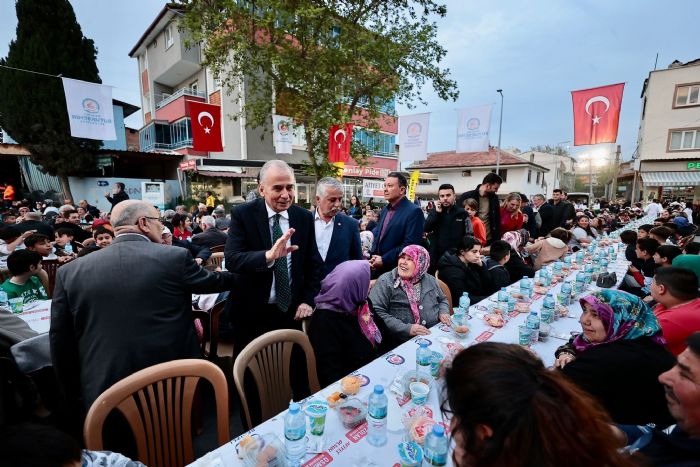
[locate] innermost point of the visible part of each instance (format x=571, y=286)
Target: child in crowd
x=664, y=255
x=25, y=267
x=42, y=245
x=103, y=238
x=550, y=249
x=629, y=238
x=641, y=276
x=495, y=264
x=643, y=230
x=661, y=234
x=692, y=248
x=64, y=243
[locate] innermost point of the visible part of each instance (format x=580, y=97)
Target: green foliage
x=321, y=62
x=33, y=107
x=558, y=150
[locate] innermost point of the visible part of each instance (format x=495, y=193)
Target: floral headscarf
x=517, y=240
x=345, y=290
x=624, y=316
x=411, y=286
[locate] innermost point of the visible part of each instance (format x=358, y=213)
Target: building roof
x=674, y=65
x=128, y=108
x=451, y=159
x=174, y=7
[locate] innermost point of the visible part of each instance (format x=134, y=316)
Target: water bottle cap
x=465, y=293
x=293, y=407
x=503, y=288
x=424, y=345
x=379, y=389
x=438, y=430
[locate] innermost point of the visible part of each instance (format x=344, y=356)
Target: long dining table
x=349, y=447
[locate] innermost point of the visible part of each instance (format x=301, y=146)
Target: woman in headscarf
x=619, y=357
x=407, y=299
x=516, y=266
x=343, y=331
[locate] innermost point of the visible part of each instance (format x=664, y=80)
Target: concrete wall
x=93, y=189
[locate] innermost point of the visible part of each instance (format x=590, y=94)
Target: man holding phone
x=446, y=224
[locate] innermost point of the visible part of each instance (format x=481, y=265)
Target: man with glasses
x=126, y=307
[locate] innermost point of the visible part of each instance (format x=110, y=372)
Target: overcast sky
x=536, y=51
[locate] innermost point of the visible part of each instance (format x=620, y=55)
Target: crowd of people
x=368, y=279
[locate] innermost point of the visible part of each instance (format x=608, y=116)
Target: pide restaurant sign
x=694, y=165
x=370, y=172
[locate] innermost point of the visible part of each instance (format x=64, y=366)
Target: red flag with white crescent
x=339, y=139
x=206, y=127
x=597, y=114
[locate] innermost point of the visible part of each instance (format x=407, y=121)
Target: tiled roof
x=468, y=159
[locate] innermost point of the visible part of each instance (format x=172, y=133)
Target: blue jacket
x=405, y=228
x=345, y=243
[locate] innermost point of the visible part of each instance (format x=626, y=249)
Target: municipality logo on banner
x=90, y=111
x=282, y=134
x=473, y=129
x=413, y=137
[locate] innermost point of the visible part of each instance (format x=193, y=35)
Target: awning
x=689, y=178
x=211, y=173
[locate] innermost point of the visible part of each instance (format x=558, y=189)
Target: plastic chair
x=446, y=290
x=217, y=249
x=268, y=358
x=214, y=261
x=51, y=268
x=157, y=403
x=210, y=324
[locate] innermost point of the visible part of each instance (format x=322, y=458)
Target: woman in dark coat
x=463, y=270
x=344, y=332
x=619, y=357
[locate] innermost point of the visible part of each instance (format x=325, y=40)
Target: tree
x=33, y=107
x=321, y=62
x=557, y=150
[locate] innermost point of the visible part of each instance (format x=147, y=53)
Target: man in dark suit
x=489, y=207
x=211, y=236
x=126, y=307
x=446, y=224
x=271, y=250
x=337, y=235
x=32, y=221
x=544, y=216
x=400, y=224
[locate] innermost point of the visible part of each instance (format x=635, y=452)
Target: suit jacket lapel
x=337, y=226
x=263, y=224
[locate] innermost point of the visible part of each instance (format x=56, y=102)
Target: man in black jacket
x=446, y=224
x=200, y=253
x=489, y=208
x=544, y=216
x=211, y=236
x=118, y=195
x=564, y=211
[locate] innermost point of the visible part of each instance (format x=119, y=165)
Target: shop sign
x=364, y=172
x=189, y=165
x=694, y=165
x=372, y=188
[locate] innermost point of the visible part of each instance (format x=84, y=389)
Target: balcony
x=164, y=136
x=174, y=106
x=177, y=94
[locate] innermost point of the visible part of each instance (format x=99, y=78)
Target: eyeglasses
x=148, y=217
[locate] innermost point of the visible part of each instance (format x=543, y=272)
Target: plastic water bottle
x=295, y=434
x=549, y=301
x=566, y=289
x=465, y=302
x=580, y=282
x=436, y=447
x=424, y=357
x=525, y=286
x=503, y=295
x=533, y=323
x=376, y=416
x=3, y=299
x=68, y=248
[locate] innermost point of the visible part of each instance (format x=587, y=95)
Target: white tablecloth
x=349, y=447
x=37, y=315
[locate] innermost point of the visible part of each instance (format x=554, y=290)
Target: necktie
x=282, y=289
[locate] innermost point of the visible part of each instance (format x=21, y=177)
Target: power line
x=30, y=71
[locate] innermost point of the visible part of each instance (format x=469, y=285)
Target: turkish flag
x=597, y=114
x=206, y=127
x=339, y=139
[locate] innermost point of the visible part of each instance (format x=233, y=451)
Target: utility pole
x=500, y=127
x=616, y=170
x=590, y=180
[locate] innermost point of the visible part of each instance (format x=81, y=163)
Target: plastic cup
x=316, y=411
x=16, y=304
x=419, y=392
x=524, y=336
x=435, y=364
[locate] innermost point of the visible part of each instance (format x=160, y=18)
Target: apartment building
x=171, y=74
x=668, y=143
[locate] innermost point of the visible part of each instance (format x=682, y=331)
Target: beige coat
x=546, y=251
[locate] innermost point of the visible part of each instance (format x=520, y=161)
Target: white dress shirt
x=284, y=225
x=324, y=232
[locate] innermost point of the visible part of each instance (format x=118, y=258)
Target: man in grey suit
x=126, y=307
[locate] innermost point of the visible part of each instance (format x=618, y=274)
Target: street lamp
x=556, y=183
x=500, y=127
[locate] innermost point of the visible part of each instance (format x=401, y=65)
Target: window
x=529, y=175
x=466, y=173
x=377, y=143
x=169, y=36
x=687, y=94
x=537, y=179
x=194, y=87
x=503, y=173
x=684, y=140
x=423, y=181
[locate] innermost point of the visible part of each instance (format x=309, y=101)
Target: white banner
x=90, y=111
x=372, y=188
x=282, y=136
x=473, y=129
x=413, y=137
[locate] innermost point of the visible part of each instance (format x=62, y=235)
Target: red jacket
x=678, y=323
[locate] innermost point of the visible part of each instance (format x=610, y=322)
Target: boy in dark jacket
x=495, y=265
